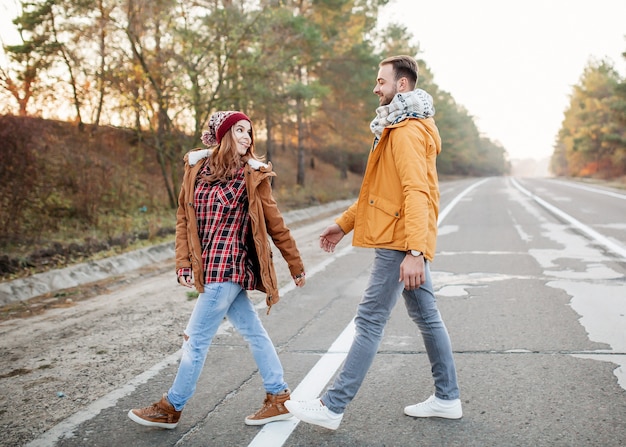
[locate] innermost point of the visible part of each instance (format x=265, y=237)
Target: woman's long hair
x=225, y=161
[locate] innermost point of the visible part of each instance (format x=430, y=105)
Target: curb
x=80, y=274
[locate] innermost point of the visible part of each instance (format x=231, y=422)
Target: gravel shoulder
x=63, y=351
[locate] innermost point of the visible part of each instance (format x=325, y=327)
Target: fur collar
x=194, y=157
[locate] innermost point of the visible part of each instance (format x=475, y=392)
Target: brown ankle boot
x=159, y=414
x=273, y=409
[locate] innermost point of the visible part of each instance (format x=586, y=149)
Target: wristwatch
x=415, y=253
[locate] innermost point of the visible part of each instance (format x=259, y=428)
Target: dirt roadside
x=80, y=345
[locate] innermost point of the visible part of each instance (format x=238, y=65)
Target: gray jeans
x=373, y=312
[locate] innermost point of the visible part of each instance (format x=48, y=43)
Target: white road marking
x=276, y=433
x=452, y=204
x=593, y=234
x=590, y=189
x=268, y=436
x=65, y=428
x=595, y=295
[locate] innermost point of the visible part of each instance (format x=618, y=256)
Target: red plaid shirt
x=222, y=214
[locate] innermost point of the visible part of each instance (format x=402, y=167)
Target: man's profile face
x=386, y=85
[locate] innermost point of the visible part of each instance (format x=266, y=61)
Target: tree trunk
x=300, y=125
x=269, y=126
x=100, y=79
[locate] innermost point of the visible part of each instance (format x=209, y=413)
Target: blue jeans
x=373, y=313
x=219, y=300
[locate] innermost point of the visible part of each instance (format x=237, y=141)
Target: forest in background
x=302, y=70
x=112, y=93
x=155, y=71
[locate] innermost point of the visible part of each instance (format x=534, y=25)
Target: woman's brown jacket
x=265, y=218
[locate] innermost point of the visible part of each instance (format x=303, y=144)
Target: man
x=396, y=214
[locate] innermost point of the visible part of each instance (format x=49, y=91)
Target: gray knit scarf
x=413, y=104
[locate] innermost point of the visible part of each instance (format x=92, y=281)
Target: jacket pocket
x=382, y=217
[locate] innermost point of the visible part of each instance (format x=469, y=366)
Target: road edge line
x=590, y=232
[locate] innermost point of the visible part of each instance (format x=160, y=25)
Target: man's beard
x=386, y=100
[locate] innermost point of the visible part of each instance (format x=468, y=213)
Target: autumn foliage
x=592, y=139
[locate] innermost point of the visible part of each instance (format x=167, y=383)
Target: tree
x=147, y=32
x=213, y=43
x=302, y=88
x=62, y=32
x=592, y=136
x=304, y=68
x=269, y=62
x=464, y=151
x=348, y=70
x=24, y=76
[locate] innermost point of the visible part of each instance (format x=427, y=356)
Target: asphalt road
x=531, y=282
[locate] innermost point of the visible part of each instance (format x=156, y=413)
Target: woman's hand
x=185, y=280
x=300, y=280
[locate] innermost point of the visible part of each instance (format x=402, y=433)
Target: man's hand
x=331, y=237
x=412, y=272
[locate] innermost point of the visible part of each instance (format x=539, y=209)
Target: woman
x=225, y=211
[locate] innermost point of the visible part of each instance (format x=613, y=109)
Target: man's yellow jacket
x=398, y=204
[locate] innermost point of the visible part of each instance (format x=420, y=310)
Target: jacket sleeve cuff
x=183, y=272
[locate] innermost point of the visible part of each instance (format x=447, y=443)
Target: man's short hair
x=403, y=67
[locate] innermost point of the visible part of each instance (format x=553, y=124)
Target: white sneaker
x=314, y=412
x=435, y=407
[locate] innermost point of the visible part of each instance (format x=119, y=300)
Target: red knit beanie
x=219, y=124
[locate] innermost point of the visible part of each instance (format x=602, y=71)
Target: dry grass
x=103, y=194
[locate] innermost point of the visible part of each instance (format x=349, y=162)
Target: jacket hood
x=428, y=124
x=431, y=128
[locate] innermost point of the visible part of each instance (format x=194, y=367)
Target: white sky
x=512, y=63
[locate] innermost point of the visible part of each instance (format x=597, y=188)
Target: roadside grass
x=69, y=243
